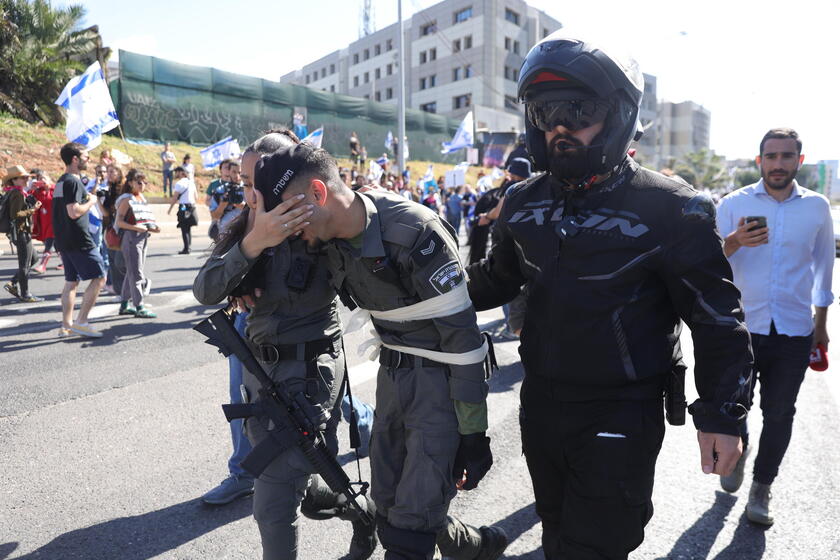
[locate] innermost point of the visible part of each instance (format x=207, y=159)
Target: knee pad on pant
x=404, y=544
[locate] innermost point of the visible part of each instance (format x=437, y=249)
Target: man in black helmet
x=614, y=256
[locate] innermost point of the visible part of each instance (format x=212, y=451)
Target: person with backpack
x=16, y=220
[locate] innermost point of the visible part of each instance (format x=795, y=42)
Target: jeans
x=26, y=258
x=780, y=365
x=241, y=445
x=364, y=414
x=167, y=182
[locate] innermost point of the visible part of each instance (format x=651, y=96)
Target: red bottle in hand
x=819, y=358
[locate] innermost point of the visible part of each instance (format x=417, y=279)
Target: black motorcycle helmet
x=560, y=67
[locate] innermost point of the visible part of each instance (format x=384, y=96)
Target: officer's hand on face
x=718, y=452
x=744, y=236
x=272, y=228
x=475, y=458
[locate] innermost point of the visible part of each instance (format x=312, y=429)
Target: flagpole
x=400, y=93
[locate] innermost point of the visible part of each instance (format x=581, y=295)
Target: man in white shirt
x=779, y=239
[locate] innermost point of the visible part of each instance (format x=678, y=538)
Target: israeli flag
x=463, y=136
x=227, y=148
x=389, y=141
x=90, y=110
x=375, y=171
x=315, y=138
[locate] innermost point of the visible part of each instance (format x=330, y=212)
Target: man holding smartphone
x=779, y=239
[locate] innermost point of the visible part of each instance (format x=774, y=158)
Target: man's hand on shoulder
x=718, y=452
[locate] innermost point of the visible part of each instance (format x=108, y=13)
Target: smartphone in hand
x=759, y=221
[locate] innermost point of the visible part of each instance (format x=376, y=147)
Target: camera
x=30, y=200
x=234, y=193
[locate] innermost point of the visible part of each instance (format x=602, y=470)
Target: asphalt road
x=108, y=445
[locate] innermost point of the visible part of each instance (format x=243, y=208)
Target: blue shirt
x=780, y=280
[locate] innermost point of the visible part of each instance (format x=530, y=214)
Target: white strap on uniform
x=444, y=305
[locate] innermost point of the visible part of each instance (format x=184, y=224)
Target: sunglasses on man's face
x=574, y=114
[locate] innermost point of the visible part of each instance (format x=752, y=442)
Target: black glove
x=473, y=456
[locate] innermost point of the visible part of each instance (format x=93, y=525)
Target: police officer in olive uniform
x=399, y=261
x=295, y=331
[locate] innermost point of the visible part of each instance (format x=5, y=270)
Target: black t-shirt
x=70, y=235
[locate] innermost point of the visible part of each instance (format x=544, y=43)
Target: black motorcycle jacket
x=610, y=273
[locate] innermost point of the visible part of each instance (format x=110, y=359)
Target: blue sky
x=753, y=64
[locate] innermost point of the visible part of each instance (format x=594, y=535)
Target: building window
x=428, y=29
x=511, y=16
x=389, y=93
x=355, y=81
x=516, y=47
x=367, y=96
x=356, y=58
x=377, y=50
x=508, y=42
x=377, y=73
x=511, y=103
x=461, y=101
x=389, y=45
x=468, y=71
x=422, y=83
x=515, y=74
x=432, y=80
x=332, y=68
x=545, y=32
x=367, y=54
x=507, y=72
x=367, y=77
x=389, y=69
x=429, y=107
x=332, y=88
x=432, y=54
x=462, y=15
x=377, y=96
x=456, y=74
x=307, y=78
x=468, y=42
x=323, y=72
x=422, y=57
x=456, y=45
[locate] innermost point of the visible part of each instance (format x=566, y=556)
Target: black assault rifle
x=297, y=422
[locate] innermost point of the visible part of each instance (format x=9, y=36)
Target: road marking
x=7, y=323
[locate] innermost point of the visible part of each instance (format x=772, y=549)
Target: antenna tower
x=366, y=26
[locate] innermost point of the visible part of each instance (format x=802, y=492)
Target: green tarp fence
x=162, y=100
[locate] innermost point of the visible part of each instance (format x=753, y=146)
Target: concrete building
x=683, y=128
x=647, y=149
x=461, y=55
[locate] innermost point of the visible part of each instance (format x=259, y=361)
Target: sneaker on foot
x=64, y=333
x=184, y=252
x=85, y=330
x=494, y=541
x=231, y=488
x=733, y=481
x=126, y=309
x=30, y=299
x=143, y=313
x=758, y=506
x=12, y=289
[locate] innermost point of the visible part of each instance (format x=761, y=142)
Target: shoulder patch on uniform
x=427, y=250
x=446, y=277
x=700, y=208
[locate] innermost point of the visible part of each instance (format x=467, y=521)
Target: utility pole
x=400, y=92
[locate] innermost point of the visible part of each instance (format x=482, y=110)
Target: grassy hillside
x=32, y=145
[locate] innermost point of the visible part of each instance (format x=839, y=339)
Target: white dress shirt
x=780, y=280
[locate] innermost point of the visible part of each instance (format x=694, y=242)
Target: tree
x=41, y=48
x=747, y=176
x=703, y=169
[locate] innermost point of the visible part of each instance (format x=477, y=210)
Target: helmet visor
x=573, y=114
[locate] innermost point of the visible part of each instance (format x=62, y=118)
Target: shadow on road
x=139, y=537
x=748, y=542
x=518, y=523
x=697, y=540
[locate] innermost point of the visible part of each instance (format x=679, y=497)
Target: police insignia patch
x=446, y=277
x=426, y=251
